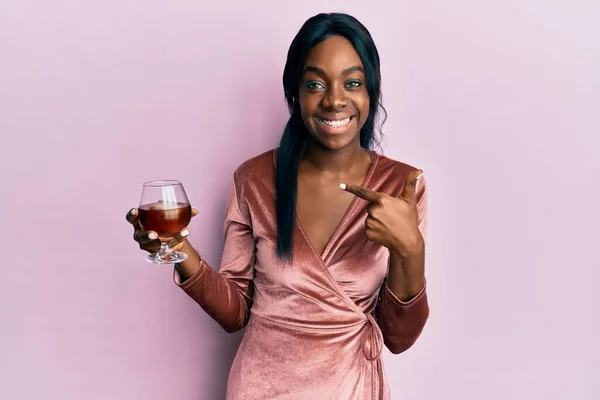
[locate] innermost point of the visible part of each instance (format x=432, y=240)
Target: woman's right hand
x=149, y=241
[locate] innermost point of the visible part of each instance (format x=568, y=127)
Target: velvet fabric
x=315, y=327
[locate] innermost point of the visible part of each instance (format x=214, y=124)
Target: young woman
x=324, y=251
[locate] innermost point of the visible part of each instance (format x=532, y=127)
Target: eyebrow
x=356, y=68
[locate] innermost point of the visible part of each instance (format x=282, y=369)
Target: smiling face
x=333, y=95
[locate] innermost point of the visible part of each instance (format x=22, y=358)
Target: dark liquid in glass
x=165, y=219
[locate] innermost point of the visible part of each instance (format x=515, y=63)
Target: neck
x=334, y=161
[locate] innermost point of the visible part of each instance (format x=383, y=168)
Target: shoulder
x=387, y=165
x=390, y=176
x=256, y=174
x=258, y=167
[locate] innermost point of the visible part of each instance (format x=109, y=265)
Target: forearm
x=401, y=322
x=406, y=275
x=222, y=298
x=403, y=308
x=189, y=267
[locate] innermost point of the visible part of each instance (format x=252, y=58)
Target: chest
x=321, y=209
x=330, y=246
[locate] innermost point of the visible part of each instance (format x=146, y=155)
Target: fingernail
x=152, y=236
x=343, y=186
x=185, y=232
x=133, y=211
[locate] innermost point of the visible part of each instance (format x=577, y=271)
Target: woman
x=324, y=238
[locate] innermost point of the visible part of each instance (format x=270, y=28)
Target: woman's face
x=333, y=95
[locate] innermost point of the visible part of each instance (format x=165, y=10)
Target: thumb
x=409, y=193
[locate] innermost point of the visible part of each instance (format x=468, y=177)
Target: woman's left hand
x=393, y=222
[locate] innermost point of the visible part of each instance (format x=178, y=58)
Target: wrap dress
x=315, y=327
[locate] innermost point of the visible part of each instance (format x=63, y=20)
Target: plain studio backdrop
x=497, y=101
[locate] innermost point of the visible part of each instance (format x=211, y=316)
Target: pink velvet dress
x=315, y=329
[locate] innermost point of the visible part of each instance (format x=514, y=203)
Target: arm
x=225, y=295
x=402, y=309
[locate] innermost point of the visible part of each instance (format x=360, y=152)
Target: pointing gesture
x=393, y=222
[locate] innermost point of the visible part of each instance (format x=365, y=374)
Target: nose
x=334, y=98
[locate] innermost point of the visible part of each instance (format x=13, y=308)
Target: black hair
x=314, y=31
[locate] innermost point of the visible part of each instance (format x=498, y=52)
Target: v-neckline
x=341, y=224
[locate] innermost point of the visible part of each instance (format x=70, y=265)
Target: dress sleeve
x=401, y=323
x=226, y=295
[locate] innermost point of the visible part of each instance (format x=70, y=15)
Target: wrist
x=183, y=246
x=415, y=249
x=405, y=290
x=191, y=265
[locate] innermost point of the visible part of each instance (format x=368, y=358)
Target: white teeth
x=335, y=124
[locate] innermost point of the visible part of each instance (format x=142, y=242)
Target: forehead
x=333, y=55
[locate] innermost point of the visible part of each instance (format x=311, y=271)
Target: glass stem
x=165, y=251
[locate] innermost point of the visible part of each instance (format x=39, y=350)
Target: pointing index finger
x=364, y=193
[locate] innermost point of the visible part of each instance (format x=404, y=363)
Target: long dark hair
x=315, y=30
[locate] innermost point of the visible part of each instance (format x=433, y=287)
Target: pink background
x=498, y=101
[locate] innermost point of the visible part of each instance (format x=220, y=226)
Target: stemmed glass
x=165, y=209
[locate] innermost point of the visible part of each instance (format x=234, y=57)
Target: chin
x=335, y=143
x=335, y=137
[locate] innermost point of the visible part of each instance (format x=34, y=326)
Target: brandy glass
x=165, y=209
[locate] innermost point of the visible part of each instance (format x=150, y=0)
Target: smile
x=340, y=123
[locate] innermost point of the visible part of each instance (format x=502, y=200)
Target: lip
x=331, y=129
x=334, y=117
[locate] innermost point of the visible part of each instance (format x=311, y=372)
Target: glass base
x=169, y=258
